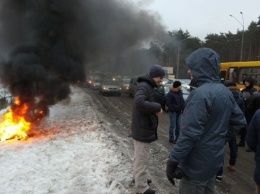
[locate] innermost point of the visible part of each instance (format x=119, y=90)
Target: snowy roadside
x=79, y=156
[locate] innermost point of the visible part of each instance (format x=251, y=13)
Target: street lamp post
x=242, y=41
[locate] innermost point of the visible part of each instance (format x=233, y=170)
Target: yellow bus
x=238, y=71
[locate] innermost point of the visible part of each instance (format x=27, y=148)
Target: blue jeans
x=174, y=124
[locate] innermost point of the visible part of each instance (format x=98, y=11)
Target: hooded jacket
x=144, y=119
x=249, y=90
x=247, y=95
x=210, y=111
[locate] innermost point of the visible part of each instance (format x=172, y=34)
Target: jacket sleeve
x=253, y=129
x=237, y=120
x=142, y=100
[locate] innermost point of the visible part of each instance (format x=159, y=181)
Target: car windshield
x=110, y=82
x=126, y=81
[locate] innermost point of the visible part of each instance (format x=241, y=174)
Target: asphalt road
x=117, y=111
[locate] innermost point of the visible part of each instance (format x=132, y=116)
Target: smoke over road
x=48, y=45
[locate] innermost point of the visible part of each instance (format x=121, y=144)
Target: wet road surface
x=116, y=110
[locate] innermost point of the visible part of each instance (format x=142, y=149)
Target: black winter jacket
x=144, y=117
x=247, y=95
x=175, y=101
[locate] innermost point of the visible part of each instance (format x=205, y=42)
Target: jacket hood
x=204, y=64
x=146, y=78
x=251, y=81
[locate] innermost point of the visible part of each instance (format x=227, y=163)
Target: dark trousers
x=232, y=156
x=243, y=135
x=233, y=151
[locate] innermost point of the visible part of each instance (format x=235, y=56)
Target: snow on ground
x=78, y=156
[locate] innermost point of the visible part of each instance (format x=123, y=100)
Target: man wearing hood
x=247, y=94
x=144, y=124
x=210, y=112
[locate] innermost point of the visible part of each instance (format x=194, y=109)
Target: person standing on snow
x=210, y=112
x=175, y=103
x=253, y=142
x=247, y=94
x=144, y=124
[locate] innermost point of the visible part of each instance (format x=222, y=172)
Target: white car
x=110, y=86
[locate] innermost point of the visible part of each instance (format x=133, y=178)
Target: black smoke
x=48, y=45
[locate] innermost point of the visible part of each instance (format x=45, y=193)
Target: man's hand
x=173, y=171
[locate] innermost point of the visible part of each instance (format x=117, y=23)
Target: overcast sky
x=203, y=17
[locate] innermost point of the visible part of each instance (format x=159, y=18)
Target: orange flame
x=14, y=125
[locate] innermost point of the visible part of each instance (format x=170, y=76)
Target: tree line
x=180, y=44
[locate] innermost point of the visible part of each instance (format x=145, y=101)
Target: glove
x=173, y=171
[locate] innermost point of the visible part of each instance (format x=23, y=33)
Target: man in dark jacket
x=144, y=124
x=247, y=94
x=231, y=137
x=255, y=101
x=210, y=112
x=253, y=142
x=175, y=103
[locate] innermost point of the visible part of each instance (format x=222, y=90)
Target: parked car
x=167, y=81
x=184, y=82
x=132, y=86
x=110, y=86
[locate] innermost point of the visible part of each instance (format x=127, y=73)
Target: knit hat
x=229, y=83
x=156, y=71
x=176, y=84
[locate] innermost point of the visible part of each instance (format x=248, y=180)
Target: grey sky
x=203, y=17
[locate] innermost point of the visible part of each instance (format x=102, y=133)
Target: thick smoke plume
x=47, y=45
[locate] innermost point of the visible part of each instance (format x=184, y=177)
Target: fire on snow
x=13, y=124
